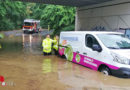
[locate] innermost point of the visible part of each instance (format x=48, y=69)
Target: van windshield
x=28, y=24
x=115, y=41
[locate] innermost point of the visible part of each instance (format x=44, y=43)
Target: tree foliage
x=58, y=17
x=12, y=14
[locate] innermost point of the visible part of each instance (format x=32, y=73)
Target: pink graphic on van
x=87, y=61
x=91, y=63
x=61, y=51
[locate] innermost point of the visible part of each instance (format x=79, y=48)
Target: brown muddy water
x=25, y=68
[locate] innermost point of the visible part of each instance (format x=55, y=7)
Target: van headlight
x=120, y=59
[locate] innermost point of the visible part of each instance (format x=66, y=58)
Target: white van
x=107, y=52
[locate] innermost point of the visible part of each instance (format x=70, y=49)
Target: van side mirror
x=96, y=47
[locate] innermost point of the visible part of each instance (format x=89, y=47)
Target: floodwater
x=25, y=68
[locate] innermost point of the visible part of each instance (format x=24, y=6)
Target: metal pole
x=48, y=27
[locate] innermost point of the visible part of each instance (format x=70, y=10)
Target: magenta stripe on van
x=87, y=61
x=61, y=51
x=91, y=63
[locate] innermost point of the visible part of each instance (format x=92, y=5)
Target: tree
x=12, y=14
x=58, y=17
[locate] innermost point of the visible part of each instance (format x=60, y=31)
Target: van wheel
x=63, y=56
x=105, y=70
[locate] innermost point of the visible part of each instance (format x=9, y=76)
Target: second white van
x=107, y=52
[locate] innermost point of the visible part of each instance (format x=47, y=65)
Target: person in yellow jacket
x=55, y=44
x=1, y=36
x=0, y=46
x=47, y=45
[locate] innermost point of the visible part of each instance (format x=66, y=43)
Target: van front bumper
x=27, y=29
x=122, y=72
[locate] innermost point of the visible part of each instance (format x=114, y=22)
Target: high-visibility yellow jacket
x=0, y=46
x=47, y=45
x=55, y=45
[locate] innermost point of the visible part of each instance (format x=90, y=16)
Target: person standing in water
x=55, y=45
x=47, y=45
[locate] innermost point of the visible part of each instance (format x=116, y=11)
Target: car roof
x=93, y=32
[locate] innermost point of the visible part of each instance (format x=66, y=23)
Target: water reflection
x=27, y=40
x=31, y=43
x=47, y=66
x=11, y=44
x=84, y=79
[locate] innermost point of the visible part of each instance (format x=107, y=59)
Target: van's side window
x=90, y=40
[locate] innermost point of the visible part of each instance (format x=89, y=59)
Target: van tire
x=63, y=56
x=105, y=70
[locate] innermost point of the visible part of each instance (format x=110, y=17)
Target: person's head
x=47, y=36
x=56, y=37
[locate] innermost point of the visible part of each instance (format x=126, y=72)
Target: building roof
x=75, y=3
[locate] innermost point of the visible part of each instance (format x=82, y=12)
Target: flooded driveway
x=25, y=68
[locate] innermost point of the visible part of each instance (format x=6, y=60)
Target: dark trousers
x=55, y=51
x=46, y=53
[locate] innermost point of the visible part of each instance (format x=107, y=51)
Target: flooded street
x=25, y=68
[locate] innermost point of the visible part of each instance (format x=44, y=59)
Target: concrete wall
x=107, y=16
